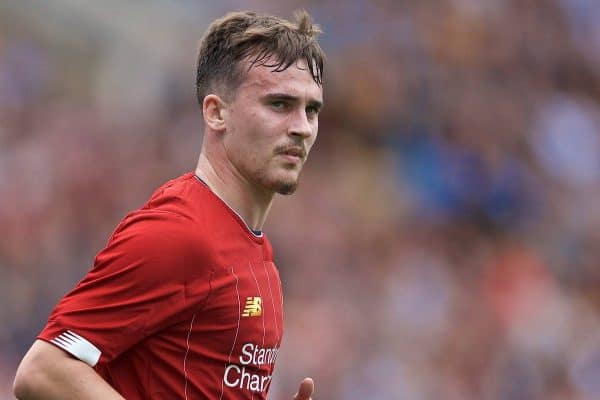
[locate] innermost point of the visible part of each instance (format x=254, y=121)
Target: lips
x=294, y=151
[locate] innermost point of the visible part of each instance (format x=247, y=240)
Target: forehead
x=295, y=81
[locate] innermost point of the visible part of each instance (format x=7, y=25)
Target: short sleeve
x=151, y=274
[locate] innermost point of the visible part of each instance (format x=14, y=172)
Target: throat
x=255, y=232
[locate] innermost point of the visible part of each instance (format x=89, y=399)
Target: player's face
x=272, y=124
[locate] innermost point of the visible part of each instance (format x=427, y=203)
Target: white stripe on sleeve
x=78, y=346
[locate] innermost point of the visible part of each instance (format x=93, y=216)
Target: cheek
x=264, y=125
x=313, y=137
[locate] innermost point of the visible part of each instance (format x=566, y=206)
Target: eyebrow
x=284, y=96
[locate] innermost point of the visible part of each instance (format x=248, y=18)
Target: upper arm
x=35, y=368
x=49, y=373
x=40, y=355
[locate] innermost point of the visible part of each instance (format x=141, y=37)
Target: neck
x=251, y=203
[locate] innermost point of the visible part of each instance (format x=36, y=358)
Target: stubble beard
x=284, y=186
x=281, y=185
x=287, y=188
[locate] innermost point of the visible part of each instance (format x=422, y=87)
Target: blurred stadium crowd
x=445, y=239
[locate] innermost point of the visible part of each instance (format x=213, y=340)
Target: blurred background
x=445, y=239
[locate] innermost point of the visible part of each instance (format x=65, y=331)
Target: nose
x=300, y=125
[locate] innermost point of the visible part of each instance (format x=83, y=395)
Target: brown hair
x=262, y=40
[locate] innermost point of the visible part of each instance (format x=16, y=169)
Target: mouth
x=293, y=154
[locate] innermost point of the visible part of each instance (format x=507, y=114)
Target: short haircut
x=259, y=39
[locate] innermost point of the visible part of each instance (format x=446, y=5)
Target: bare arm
x=48, y=373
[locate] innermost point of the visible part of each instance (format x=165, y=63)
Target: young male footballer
x=185, y=302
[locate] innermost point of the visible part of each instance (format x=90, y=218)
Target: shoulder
x=156, y=245
x=178, y=196
x=188, y=198
x=161, y=228
x=173, y=216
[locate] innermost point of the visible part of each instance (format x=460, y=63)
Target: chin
x=285, y=183
x=287, y=188
x=283, y=186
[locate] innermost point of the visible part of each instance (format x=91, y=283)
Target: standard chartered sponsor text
x=247, y=378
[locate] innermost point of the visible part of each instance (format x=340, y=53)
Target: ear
x=213, y=110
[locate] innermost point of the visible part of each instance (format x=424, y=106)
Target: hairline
x=228, y=91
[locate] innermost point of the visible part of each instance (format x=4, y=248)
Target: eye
x=311, y=110
x=278, y=105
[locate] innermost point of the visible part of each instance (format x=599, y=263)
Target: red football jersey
x=184, y=302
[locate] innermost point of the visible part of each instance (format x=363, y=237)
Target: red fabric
x=165, y=301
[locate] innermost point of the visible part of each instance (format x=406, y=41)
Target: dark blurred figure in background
x=451, y=209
